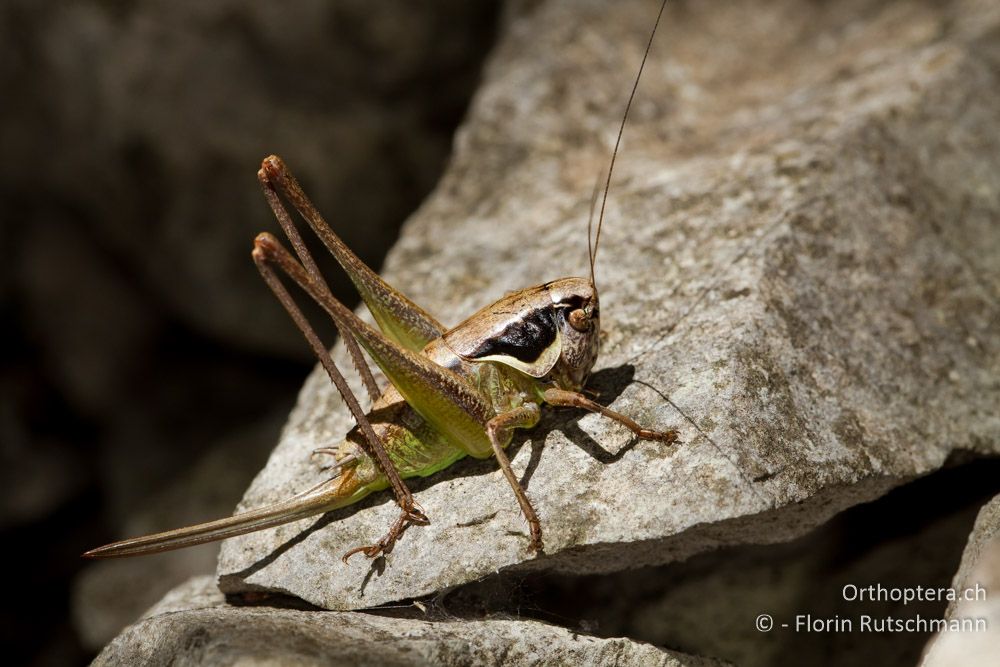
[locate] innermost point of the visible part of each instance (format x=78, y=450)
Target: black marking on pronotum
x=524, y=340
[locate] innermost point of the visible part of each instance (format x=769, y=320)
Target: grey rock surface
x=193, y=625
x=981, y=558
x=708, y=605
x=976, y=641
x=800, y=271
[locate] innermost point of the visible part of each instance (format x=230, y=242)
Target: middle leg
x=499, y=430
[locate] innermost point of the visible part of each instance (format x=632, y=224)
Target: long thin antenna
x=614, y=154
x=590, y=223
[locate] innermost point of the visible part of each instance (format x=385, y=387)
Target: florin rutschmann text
x=888, y=624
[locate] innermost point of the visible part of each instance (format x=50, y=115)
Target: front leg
x=500, y=429
x=561, y=397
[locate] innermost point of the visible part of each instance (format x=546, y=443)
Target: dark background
x=147, y=370
x=138, y=339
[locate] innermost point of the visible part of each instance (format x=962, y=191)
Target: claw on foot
x=372, y=551
x=411, y=515
x=669, y=437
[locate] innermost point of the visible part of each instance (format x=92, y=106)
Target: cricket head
x=577, y=314
x=549, y=332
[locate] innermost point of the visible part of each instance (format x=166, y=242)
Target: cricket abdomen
x=415, y=448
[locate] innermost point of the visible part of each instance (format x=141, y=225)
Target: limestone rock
x=800, y=271
x=193, y=625
x=976, y=641
x=709, y=604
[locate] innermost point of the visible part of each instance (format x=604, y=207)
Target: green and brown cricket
x=454, y=392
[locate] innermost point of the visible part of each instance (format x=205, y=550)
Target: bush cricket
x=454, y=392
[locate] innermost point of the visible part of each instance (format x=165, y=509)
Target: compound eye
x=578, y=320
